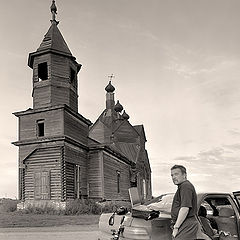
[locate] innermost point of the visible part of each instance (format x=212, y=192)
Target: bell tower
x=54, y=70
x=53, y=136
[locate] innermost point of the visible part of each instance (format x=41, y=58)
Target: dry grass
x=78, y=212
x=19, y=219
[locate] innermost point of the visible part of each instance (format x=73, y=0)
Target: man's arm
x=183, y=212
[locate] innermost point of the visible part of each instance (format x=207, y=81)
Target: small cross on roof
x=111, y=77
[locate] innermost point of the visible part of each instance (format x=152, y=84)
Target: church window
x=118, y=181
x=40, y=128
x=42, y=71
x=77, y=181
x=72, y=76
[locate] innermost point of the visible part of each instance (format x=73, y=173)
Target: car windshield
x=162, y=203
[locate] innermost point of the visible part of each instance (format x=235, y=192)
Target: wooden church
x=63, y=155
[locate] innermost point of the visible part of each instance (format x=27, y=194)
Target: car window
x=214, y=205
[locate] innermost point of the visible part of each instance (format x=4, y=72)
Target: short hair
x=181, y=167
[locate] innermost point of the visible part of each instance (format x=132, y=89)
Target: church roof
x=53, y=40
x=140, y=130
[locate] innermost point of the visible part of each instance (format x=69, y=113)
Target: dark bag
x=145, y=214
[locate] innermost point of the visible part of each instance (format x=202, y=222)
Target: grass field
x=18, y=219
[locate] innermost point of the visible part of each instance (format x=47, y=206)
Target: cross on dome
x=53, y=9
x=111, y=77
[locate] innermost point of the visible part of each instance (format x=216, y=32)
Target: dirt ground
x=65, y=232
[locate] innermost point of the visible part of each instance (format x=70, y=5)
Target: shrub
x=112, y=206
x=41, y=210
x=8, y=205
x=83, y=206
x=73, y=207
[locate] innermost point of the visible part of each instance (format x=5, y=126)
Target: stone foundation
x=57, y=205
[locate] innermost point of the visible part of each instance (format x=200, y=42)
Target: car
x=152, y=220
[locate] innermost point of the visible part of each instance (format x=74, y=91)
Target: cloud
x=215, y=170
x=235, y=146
x=234, y=131
x=185, y=158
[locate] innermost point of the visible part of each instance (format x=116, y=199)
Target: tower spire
x=53, y=9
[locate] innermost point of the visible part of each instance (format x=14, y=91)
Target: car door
x=237, y=198
x=219, y=204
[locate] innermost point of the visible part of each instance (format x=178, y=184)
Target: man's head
x=179, y=174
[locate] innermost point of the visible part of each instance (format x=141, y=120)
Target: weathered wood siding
x=41, y=90
x=60, y=68
x=75, y=128
x=38, y=60
x=95, y=174
x=69, y=181
x=21, y=184
x=24, y=152
x=75, y=156
x=53, y=124
x=63, y=91
x=42, y=95
x=73, y=99
x=111, y=165
x=57, y=89
x=144, y=173
x=43, y=160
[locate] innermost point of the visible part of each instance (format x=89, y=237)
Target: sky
x=177, y=72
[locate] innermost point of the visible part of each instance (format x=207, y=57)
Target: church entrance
x=42, y=185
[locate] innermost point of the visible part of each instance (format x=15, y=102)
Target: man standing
x=184, y=206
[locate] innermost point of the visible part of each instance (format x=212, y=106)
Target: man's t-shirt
x=184, y=197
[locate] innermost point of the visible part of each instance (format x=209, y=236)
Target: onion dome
x=110, y=88
x=118, y=107
x=125, y=115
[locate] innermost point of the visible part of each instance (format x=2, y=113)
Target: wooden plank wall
x=42, y=90
x=95, y=180
x=38, y=60
x=144, y=172
x=60, y=95
x=75, y=128
x=24, y=151
x=21, y=183
x=60, y=69
x=46, y=159
x=73, y=100
x=69, y=181
x=63, y=91
x=110, y=167
x=53, y=121
x=57, y=89
x=42, y=96
x=75, y=156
